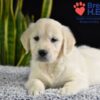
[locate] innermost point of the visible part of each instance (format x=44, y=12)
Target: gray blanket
x=12, y=81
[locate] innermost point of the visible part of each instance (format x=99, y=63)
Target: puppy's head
x=47, y=40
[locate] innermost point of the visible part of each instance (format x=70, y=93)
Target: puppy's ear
x=25, y=37
x=68, y=41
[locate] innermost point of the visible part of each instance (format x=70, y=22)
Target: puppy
x=56, y=61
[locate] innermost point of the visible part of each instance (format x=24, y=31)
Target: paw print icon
x=79, y=8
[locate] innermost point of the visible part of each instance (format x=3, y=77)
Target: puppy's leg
x=74, y=86
x=35, y=86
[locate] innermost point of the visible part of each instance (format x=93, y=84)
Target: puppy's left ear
x=25, y=37
x=68, y=40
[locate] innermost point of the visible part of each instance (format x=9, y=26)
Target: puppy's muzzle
x=42, y=55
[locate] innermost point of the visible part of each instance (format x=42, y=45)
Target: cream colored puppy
x=56, y=61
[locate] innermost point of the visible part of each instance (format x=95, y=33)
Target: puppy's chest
x=53, y=77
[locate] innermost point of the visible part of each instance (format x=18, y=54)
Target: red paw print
x=79, y=8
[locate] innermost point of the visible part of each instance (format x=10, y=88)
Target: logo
x=87, y=12
x=79, y=8
x=93, y=8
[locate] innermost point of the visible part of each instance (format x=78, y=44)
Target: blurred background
x=83, y=18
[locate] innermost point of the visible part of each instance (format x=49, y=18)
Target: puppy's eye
x=36, y=38
x=54, y=40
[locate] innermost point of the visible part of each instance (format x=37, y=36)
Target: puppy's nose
x=42, y=53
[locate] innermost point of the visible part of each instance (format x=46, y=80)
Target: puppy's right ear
x=25, y=37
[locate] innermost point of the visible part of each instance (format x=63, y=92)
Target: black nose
x=42, y=53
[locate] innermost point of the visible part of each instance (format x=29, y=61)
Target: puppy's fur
x=65, y=66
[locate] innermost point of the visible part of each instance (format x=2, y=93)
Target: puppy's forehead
x=48, y=26
x=48, y=21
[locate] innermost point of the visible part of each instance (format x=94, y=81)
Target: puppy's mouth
x=42, y=59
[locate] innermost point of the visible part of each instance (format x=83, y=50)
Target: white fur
x=74, y=70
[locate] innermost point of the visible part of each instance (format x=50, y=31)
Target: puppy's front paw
x=72, y=89
x=66, y=91
x=34, y=91
x=35, y=87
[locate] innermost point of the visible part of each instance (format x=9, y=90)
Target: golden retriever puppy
x=56, y=62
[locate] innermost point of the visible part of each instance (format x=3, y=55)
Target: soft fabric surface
x=12, y=81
